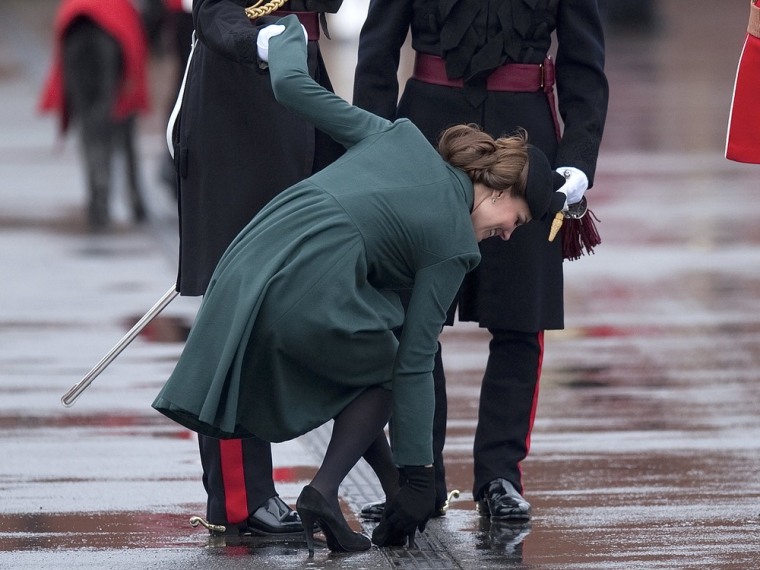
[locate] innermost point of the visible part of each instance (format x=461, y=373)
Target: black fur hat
x=541, y=189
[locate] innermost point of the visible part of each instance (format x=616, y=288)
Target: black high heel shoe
x=313, y=508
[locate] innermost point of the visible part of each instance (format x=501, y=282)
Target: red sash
x=120, y=19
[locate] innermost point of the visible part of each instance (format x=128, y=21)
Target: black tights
x=358, y=431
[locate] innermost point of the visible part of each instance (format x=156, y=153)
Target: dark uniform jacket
x=518, y=284
x=235, y=146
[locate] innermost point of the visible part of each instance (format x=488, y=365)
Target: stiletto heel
x=411, y=539
x=313, y=508
x=308, y=520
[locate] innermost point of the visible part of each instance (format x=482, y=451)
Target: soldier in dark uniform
x=485, y=62
x=234, y=149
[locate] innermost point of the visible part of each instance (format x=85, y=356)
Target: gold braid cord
x=259, y=9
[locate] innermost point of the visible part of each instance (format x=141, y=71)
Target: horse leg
x=127, y=135
x=92, y=69
x=96, y=145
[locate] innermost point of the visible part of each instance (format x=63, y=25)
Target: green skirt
x=290, y=330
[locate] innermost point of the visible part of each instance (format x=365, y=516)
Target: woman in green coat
x=297, y=325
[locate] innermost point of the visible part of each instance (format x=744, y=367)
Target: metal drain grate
x=429, y=553
x=361, y=487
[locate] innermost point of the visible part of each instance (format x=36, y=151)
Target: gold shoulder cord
x=258, y=10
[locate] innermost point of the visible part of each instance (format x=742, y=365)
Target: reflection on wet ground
x=93, y=530
x=635, y=464
x=163, y=329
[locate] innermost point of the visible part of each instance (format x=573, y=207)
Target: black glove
x=410, y=509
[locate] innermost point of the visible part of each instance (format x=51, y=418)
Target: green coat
x=299, y=316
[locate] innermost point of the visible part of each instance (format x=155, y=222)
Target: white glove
x=576, y=184
x=262, y=40
x=267, y=33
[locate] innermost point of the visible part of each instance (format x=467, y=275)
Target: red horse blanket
x=120, y=19
x=743, y=140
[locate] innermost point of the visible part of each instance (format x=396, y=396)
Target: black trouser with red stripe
x=508, y=400
x=237, y=475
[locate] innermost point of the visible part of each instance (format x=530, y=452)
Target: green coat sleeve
x=413, y=400
x=296, y=90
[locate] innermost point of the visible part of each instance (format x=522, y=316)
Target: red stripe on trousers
x=535, y=397
x=233, y=478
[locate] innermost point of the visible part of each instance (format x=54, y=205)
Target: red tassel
x=579, y=235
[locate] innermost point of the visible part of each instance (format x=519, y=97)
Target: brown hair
x=500, y=164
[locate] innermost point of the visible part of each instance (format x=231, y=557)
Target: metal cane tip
x=70, y=397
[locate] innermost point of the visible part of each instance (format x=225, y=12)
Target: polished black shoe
x=502, y=502
x=274, y=517
x=313, y=508
x=374, y=511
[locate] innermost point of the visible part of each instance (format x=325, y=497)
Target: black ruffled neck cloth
x=474, y=42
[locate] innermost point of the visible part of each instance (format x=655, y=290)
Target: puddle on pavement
x=162, y=329
x=121, y=530
x=93, y=530
x=142, y=530
x=632, y=466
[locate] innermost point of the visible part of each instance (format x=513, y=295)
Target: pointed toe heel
x=313, y=508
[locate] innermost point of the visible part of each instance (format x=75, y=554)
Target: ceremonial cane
x=76, y=390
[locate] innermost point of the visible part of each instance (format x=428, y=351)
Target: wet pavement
x=646, y=448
